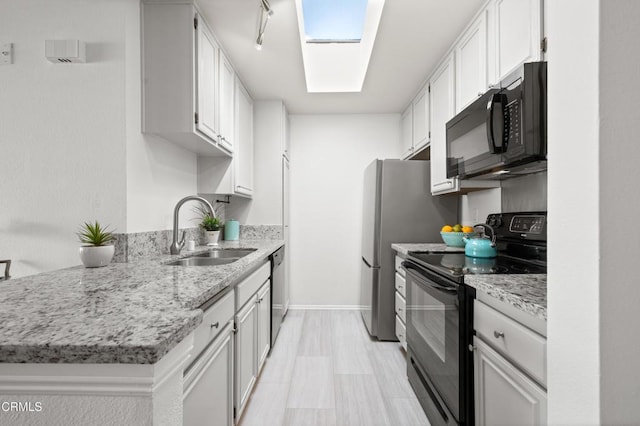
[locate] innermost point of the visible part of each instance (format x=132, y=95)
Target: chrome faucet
x=175, y=245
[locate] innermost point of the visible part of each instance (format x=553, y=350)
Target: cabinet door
x=208, y=396
x=286, y=127
x=246, y=349
x=503, y=394
x=421, y=120
x=243, y=156
x=227, y=103
x=285, y=223
x=471, y=63
x=407, y=132
x=206, y=81
x=264, y=323
x=442, y=110
x=518, y=33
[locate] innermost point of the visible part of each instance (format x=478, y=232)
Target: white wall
x=71, y=147
x=619, y=211
x=159, y=173
x=62, y=155
x=573, y=288
x=476, y=206
x=328, y=156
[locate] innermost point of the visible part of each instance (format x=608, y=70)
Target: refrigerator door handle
x=365, y=262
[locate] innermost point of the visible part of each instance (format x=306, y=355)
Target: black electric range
x=439, y=312
x=521, y=242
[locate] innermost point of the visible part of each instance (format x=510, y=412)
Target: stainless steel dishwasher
x=277, y=292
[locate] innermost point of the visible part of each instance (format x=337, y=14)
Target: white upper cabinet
x=180, y=81
x=415, y=124
x=442, y=88
x=243, y=157
x=421, y=120
x=206, y=83
x=227, y=102
x=471, y=63
x=407, y=132
x=518, y=26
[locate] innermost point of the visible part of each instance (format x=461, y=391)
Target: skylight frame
x=339, y=67
x=322, y=26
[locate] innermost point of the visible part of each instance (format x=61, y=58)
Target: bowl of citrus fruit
x=452, y=235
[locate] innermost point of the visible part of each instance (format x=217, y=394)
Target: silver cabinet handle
x=215, y=324
x=498, y=334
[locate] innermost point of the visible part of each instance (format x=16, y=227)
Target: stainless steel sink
x=226, y=253
x=213, y=257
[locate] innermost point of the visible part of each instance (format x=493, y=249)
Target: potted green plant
x=211, y=226
x=97, y=245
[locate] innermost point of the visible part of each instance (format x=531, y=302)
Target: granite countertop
x=131, y=313
x=405, y=248
x=526, y=292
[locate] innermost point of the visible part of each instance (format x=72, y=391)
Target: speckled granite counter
x=405, y=248
x=527, y=292
x=131, y=313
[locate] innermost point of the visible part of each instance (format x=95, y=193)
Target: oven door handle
x=444, y=289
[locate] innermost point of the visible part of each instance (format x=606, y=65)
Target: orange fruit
x=447, y=228
x=467, y=229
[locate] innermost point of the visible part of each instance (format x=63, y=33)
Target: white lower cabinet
x=401, y=304
x=509, y=365
x=264, y=323
x=246, y=349
x=208, y=384
x=503, y=394
x=253, y=332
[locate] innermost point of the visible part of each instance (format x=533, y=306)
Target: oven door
x=433, y=338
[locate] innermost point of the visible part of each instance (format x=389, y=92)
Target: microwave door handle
x=496, y=98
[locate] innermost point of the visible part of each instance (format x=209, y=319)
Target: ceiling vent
x=65, y=51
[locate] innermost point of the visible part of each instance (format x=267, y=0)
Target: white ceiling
x=413, y=35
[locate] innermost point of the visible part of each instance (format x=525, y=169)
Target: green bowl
x=454, y=239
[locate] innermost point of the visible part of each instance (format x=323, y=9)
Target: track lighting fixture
x=265, y=12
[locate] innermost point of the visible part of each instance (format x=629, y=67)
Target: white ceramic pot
x=96, y=256
x=212, y=237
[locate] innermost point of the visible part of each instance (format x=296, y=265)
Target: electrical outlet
x=6, y=54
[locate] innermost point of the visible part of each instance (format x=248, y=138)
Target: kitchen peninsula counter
x=127, y=313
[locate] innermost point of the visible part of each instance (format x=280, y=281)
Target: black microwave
x=504, y=132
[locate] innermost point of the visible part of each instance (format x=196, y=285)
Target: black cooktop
x=456, y=265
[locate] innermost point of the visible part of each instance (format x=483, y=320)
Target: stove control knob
x=491, y=220
x=498, y=221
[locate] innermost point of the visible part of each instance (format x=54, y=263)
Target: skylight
x=334, y=21
x=336, y=37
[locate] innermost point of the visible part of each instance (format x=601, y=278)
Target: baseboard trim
x=327, y=307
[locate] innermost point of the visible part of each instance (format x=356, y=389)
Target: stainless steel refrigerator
x=398, y=208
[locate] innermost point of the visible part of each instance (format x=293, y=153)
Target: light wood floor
x=325, y=370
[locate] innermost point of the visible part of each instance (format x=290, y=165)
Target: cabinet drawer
x=401, y=306
x=214, y=320
x=401, y=332
x=401, y=285
x=399, y=267
x=524, y=347
x=248, y=287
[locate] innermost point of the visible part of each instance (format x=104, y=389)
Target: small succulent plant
x=210, y=223
x=94, y=234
